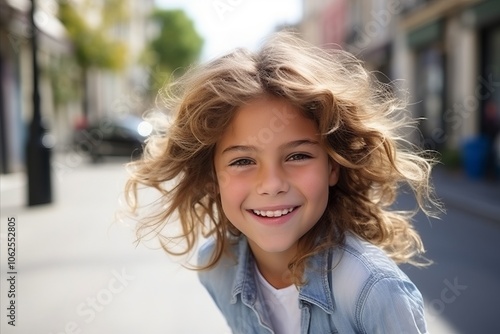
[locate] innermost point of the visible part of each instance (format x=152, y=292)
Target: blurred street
x=79, y=271
x=462, y=285
x=77, y=78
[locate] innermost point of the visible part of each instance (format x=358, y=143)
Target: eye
x=298, y=156
x=241, y=162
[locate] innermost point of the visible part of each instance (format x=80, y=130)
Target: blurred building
x=122, y=92
x=447, y=52
x=16, y=73
x=109, y=92
x=312, y=24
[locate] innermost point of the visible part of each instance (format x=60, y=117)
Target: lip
x=275, y=220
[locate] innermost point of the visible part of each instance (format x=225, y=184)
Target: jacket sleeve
x=216, y=280
x=391, y=305
x=204, y=255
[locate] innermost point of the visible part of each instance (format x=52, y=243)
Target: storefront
x=430, y=79
x=488, y=20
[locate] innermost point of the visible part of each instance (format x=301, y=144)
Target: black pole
x=4, y=162
x=37, y=152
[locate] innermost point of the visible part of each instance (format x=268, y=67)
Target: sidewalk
x=477, y=197
x=79, y=272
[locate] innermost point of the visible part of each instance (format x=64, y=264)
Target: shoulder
x=365, y=280
x=220, y=277
x=224, y=279
x=358, y=261
x=206, y=253
x=367, y=257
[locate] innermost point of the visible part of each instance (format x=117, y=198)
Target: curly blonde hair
x=361, y=120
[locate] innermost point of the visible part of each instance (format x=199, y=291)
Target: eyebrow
x=289, y=145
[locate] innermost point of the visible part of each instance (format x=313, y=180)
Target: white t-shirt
x=281, y=304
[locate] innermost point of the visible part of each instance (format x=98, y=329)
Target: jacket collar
x=244, y=282
x=316, y=290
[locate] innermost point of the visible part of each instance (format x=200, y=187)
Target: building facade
x=108, y=92
x=448, y=55
x=16, y=73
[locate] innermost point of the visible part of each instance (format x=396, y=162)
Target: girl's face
x=273, y=174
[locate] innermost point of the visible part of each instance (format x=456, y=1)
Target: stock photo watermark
x=376, y=27
x=455, y=116
x=89, y=309
x=11, y=257
x=21, y=32
x=222, y=7
x=448, y=295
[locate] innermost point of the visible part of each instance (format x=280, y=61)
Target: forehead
x=267, y=120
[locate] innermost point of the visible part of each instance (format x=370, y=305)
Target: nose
x=272, y=181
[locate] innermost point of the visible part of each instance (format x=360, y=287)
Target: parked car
x=113, y=136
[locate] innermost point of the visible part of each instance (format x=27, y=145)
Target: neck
x=274, y=266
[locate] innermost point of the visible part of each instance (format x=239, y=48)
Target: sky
x=227, y=24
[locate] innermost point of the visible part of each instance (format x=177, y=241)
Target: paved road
x=78, y=271
x=463, y=284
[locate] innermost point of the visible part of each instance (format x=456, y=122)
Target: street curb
x=470, y=205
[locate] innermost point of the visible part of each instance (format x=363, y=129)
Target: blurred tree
x=176, y=46
x=92, y=45
x=63, y=80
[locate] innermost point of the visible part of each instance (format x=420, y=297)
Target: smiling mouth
x=273, y=213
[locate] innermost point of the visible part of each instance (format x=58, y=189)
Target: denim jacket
x=353, y=288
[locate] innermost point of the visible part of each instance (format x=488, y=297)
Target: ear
x=334, y=173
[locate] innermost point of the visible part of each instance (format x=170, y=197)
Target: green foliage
x=93, y=48
x=63, y=74
x=451, y=158
x=177, y=46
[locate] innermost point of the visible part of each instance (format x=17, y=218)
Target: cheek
x=233, y=191
x=314, y=185
x=313, y=178
x=317, y=189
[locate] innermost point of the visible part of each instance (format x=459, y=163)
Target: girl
x=289, y=159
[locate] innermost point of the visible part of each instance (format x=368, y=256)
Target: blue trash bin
x=474, y=156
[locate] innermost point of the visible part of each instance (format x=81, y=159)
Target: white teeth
x=277, y=213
